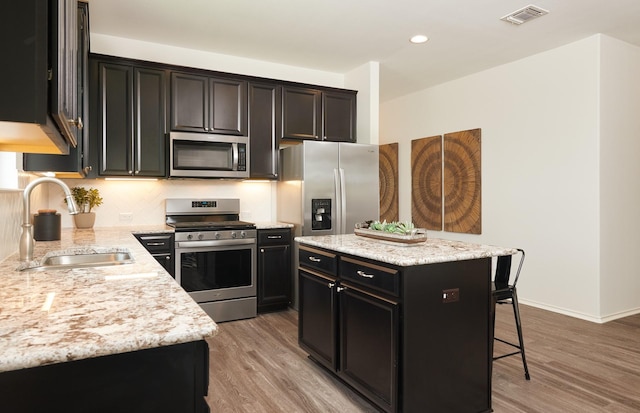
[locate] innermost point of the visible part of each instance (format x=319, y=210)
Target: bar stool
x=505, y=293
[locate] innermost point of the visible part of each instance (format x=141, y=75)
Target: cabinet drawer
x=274, y=237
x=319, y=260
x=370, y=275
x=156, y=243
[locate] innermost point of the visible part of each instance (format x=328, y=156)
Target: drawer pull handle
x=155, y=244
x=364, y=274
x=314, y=259
x=274, y=236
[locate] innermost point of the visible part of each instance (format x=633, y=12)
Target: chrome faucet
x=26, y=238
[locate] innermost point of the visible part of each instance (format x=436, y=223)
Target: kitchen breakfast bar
x=409, y=326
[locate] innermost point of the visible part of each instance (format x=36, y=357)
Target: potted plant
x=86, y=199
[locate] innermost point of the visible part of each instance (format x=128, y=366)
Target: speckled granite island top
x=432, y=251
x=61, y=315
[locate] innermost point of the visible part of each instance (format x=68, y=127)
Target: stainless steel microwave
x=199, y=155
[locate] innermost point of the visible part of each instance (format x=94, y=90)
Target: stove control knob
x=234, y=235
x=200, y=236
x=217, y=235
x=243, y=234
x=189, y=236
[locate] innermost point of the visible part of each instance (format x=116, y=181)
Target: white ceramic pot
x=84, y=220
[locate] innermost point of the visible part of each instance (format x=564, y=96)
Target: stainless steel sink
x=79, y=260
x=88, y=260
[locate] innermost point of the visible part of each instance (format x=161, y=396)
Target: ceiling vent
x=525, y=14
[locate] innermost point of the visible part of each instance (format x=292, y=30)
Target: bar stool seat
x=505, y=293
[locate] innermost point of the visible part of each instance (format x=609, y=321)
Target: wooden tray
x=419, y=237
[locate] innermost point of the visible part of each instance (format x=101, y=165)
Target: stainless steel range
x=215, y=256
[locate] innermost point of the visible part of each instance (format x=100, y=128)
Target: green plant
x=402, y=228
x=86, y=199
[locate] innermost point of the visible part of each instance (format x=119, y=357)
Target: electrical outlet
x=451, y=295
x=126, y=216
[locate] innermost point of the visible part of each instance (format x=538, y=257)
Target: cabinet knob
x=76, y=122
x=339, y=289
x=331, y=285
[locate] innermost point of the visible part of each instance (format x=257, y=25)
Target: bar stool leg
x=516, y=313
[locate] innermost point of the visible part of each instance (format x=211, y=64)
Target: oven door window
x=195, y=155
x=214, y=270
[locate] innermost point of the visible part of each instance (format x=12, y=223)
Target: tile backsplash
x=11, y=213
x=131, y=203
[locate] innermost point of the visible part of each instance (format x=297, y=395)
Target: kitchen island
x=111, y=338
x=409, y=327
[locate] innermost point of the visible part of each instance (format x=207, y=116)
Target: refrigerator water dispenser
x=320, y=214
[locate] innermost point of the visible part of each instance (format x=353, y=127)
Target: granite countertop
x=166, y=228
x=273, y=225
x=432, y=251
x=62, y=315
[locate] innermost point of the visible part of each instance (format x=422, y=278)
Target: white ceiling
x=466, y=36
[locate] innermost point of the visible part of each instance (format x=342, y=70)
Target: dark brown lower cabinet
x=369, y=345
x=161, y=380
x=387, y=331
x=352, y=333
x=317, y=318
x=274, y=269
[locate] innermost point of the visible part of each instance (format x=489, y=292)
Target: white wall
x=154, y=52
x=540, y=166
x=619, y=176
x=366, y=80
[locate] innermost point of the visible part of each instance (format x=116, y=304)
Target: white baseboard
x=576, y=314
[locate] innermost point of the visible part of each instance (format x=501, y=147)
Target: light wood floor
x=575, y=366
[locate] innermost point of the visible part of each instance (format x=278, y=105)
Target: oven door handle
x=214, y=243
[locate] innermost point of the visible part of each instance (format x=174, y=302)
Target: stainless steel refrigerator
x=325, y=188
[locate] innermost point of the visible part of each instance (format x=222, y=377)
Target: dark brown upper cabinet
x=264, y=129
x=131, y=119
x=77, y=164
x=339, y=116
x=39, y=77
x=316, y=114
x=208, y=104
x=301, y=113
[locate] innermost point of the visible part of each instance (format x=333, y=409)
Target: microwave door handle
x=234, y=148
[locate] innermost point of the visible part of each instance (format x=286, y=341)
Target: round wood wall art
x=462, y=183
x=389, y=182
x=426, y=182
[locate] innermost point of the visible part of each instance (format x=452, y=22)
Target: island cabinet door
x=317, y=317
x=369, y=345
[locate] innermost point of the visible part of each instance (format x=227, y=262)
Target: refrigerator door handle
x=337, y=187
x=343, y=203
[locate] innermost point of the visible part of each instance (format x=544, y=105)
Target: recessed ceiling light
x=419, y=38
